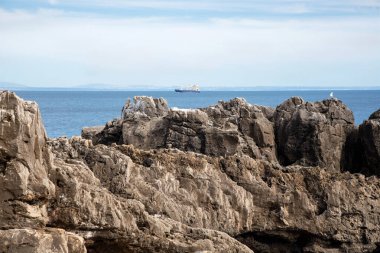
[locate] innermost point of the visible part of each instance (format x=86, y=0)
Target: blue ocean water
x=65, y=112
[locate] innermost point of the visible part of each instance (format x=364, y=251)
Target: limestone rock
x=98, y=189
x=145, y=133
x=111, y=133
x=204, y=180
x=90, y=132
x=375, y=115
x=141, y=124
x=312, y=134
x=37, y=241
x=369, y=138
x=224, y=129
x=145, y=106
x=24, y=162
x=255, y=201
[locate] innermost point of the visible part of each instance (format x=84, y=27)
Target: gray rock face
x=24, y=162
x=111, y=133
x=224, y=129
x=141, y=124
x=37, y=241
x=375, y=115
x=145, y=106
x=253, y=200
x=25, y=186
x=312, y=134
x=84, y=191
x=230, y=195
x=90, y=132
x=369, y=138
x=248, y=129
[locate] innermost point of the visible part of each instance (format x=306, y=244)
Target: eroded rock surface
x=37, y=241
x=25, y=188
x=255, y=201
x=369, y=142
x=90, y=132
x=312, y=134
x=228, y=128
x=213, y=183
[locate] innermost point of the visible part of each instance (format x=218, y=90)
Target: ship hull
x=194, y=91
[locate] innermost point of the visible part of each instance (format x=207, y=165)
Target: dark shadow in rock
x=4, y=159
x=284, y=241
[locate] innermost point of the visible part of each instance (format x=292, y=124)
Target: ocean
x=65, y=113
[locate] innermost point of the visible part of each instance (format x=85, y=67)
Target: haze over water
x=65, y=113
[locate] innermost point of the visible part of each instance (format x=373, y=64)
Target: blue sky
x=172, y=43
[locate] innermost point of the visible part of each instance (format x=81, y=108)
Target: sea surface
x=65, y=113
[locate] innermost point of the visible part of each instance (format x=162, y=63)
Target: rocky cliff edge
x=233, y=177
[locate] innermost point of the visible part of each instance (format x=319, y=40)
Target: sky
x=157, y=43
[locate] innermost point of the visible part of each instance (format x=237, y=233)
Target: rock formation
x=369, y=141
x=25, y=188
x=90, y=132
x=170, y=180
x=228, y=128
x=312, y=134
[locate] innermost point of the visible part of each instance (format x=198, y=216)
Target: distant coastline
x=105, y=87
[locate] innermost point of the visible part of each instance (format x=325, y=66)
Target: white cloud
x=55, y=47
x=53, y=2
x=260, y=6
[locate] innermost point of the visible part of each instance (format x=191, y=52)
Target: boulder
x=312, y=134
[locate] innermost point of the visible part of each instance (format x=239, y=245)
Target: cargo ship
x=193, y=88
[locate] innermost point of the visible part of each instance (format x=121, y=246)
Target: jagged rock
x=37, y=241
x=129, y=218
x=112, y=133
x=145, y=133
x=145, y=106
x=224, y=129
x=90, y=132
x=312, y=134
x=25, y=187
x=375, y=115
x=229, y=194
x=78, y=199
x=369, y=142
x=255, y=201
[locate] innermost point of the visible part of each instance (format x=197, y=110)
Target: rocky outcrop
x=145, y=106
x=65, y=185
x=25, y=188
x=255, y=201
x=96, y=193
x=312, y=134
x=369, y=143
x=90, y=132
x=228, y=128
x=213, y=183
x=37, y=241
